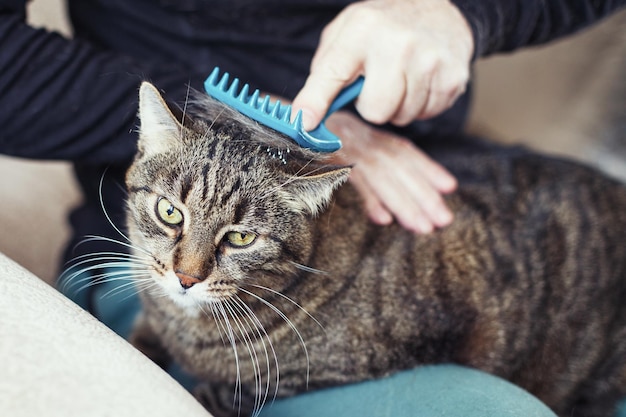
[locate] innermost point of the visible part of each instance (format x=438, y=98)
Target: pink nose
x=187, y=281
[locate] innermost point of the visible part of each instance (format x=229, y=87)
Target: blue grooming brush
x=278, y=116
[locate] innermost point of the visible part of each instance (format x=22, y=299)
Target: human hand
x=394, y=177
x=414, y=54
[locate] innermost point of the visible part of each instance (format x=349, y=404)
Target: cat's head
x=219, y=203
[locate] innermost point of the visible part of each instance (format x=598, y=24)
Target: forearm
x=505, y=25
x=62, y=99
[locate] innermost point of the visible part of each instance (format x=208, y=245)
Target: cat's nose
x=187, y=281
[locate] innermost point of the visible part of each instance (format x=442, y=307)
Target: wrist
x=472, y=14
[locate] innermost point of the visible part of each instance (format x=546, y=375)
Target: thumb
x=315, y=98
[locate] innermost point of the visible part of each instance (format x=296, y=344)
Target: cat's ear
x=311, y=193
x=159, y=129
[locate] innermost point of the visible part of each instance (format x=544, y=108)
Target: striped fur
x=527, y=283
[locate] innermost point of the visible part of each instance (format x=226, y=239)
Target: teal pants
x=429, y=391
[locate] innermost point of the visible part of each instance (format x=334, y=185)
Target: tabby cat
x=266, y=278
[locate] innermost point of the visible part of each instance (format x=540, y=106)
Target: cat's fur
x=528, y=283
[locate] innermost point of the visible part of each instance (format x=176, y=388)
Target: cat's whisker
x=100, y=279
x=147, y=286
x=289, y=180
x=97, y=262
x=161, y=292
x=308, y=268
x=126, y=287
x=182, y=130
x=215, y=318
x=278, y=293
x=299, y=171
x=118, y=255
x=91, y=238
x=134, y=285
x=144, y=282
x=71, y=282
x=245, y=338
x=259, y=339
x=289, y=323
x=118, y=265
x=91, y=282
x=85, y=273
x=233, y=343
x=106, y=214
x=250, y=315
x=210, y=127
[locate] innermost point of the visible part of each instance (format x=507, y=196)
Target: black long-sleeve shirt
x=76, y=99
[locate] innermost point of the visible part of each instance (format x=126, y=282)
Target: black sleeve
x=63, y=99
x=505, y=25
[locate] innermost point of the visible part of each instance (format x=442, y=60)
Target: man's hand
x=414, y=54
x=394, y=178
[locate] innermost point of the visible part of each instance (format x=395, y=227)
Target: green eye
x=239, y=239
x=168, y=214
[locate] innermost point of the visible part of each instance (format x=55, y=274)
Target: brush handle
x=321, y=139
x=346, y=96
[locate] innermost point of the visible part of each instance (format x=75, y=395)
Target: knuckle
x=405, y=41
x=373, y=114
x=428, y=57
x=464, y=74
x=338, y=72
x=405, y=145
x=458, y=80
x=363, y=13
x=431, y=112
x=332, y=70
x=402, y=120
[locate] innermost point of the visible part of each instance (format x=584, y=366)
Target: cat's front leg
x=147, y=342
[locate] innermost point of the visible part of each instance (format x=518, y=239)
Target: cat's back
x=509, y=201
x=528, y=282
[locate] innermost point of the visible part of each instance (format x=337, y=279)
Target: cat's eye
x=168, y=214
x=240, y=239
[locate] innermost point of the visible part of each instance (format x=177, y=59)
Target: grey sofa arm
x=57, y=360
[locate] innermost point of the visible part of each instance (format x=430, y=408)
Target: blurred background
x=566, y=98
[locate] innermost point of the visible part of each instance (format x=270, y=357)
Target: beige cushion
x=57, y=360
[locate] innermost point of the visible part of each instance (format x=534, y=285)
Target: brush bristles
x=218, y=88
x=271, y=114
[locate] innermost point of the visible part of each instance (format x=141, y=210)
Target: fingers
x=383, y=204
x=375, y=209
x=446, y=86
x=409, y=189
x=316, y=97
x=415, y=100
x=337, y=62
x=415, y=57
x=401, y=194
x=395, y=179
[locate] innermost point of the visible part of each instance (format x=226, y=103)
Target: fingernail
x=384, y=220
x=444, y=217
x=381, y=218
x=426, y=228
x=422, y=226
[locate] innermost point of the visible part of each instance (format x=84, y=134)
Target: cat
x=264, y=277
